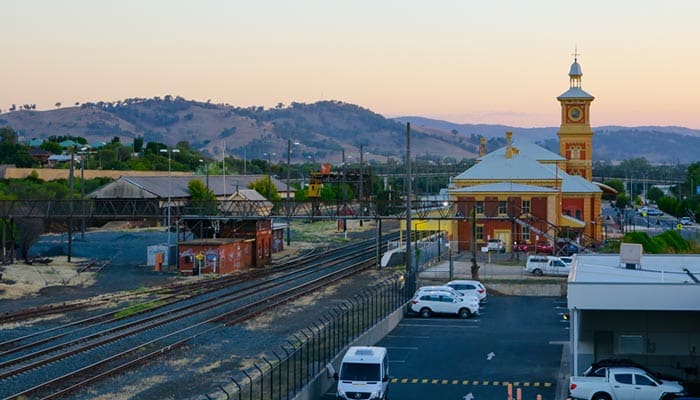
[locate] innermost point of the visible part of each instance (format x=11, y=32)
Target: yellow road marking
x=434, y=381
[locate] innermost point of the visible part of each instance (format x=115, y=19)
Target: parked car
x=469, y=287
x=644, y=211
x=427, y=303
x=623, y=383
x=546, y=265
x=686, y=221
x=568, y=249
x=598, y=368
x=440, y=288
x=544, y=247
x=541, y=247
x=496, y=245
x=567, y=260
x=523, y=247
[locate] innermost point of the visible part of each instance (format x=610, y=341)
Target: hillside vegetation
x=321, y=131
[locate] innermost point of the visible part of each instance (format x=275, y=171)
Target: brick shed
x=215, y=256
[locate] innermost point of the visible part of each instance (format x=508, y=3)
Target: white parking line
x=407, y=337
x=439, y=326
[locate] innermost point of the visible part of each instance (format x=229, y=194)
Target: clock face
x=575, y=113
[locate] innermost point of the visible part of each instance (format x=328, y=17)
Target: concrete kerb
x=323, y=381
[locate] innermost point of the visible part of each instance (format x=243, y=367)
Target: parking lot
x=514, y=340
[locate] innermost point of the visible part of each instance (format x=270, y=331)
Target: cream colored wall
x=54, y=174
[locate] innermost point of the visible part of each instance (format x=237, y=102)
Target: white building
x=647, y=311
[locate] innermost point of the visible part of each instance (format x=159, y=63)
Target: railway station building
x=524, y=193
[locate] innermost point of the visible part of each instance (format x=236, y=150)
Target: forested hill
x=319, y=131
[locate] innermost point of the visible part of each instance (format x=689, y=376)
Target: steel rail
x=242, y=313
x=151, y=322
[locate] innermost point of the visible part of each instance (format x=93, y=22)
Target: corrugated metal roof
x=498, y=167
x=158, y=186
x=532, y=150
x=509, y=187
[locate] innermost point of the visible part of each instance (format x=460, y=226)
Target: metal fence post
x=301, y=362
x=294, y=368
x=225, y=392
x=250, y=387
x=279, y=375
x=344, y=322
x=286, y=362
x=235, y=382
x=307, y=344
x=315, y=350
x=262, y=381
x=271, y=376
x=328, y=338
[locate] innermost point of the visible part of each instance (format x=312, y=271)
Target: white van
x=546, y=265
x=364, y=373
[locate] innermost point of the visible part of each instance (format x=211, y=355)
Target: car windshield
x=359, y=372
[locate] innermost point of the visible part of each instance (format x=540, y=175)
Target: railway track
x=52, y=363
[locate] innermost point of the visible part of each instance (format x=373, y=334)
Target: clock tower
x=575, y=134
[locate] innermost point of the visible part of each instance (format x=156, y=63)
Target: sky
x=465, y=61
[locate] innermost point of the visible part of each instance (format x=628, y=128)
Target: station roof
x=159, y=186
x=659, y=282
x=532, y=150
x=509, y=187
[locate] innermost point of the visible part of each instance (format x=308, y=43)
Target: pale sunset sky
x=497, y=62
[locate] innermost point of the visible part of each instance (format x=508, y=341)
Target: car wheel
x=537, y=272
x=601, y=396
x=464, y=313
x=668, y=396
x=425, y=312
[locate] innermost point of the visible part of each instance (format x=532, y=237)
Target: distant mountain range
x=321, y=131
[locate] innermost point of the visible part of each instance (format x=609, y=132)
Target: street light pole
x=82, y=190
x=169, y=151
x=289, y=160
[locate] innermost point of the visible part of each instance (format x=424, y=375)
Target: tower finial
x=576, y=53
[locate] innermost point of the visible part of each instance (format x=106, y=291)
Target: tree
x=58, y=104
x=266, y=188
x=138, y=144
x=654, y=194
x=202, y=198
x=622, y=201
x=8, y=135
x=29, y=230
x=617, y=185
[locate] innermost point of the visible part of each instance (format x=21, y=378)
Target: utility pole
x=289, y=160
x=411, y=278
x=70, y=217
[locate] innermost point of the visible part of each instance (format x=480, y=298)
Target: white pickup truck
x=623, y=383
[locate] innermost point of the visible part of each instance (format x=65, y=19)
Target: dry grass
x=19, y=279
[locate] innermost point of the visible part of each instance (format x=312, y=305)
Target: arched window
x=575, y=152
